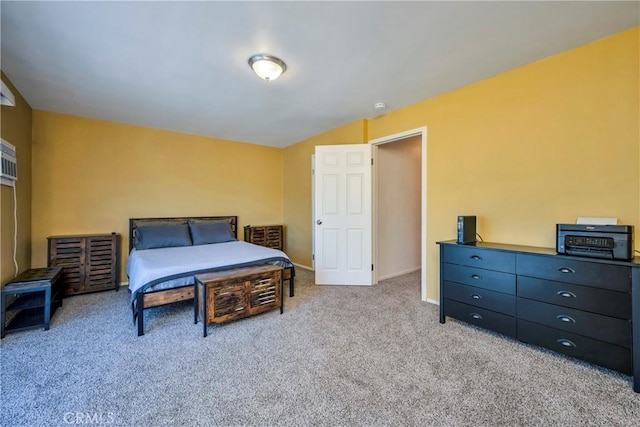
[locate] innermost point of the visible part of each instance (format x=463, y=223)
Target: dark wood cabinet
x=271, y=236
x=582, y=307
x=90, y=262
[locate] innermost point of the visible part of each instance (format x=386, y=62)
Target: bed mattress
x=165, y=268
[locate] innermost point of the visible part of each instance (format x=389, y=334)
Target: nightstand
x=29, y=300
x=271, y=236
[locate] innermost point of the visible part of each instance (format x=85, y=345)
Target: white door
x=342, y=211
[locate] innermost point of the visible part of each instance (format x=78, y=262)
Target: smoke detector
x=379, y=106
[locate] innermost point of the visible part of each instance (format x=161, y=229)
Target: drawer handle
x=566, y=270
x=566, y=343
x=475, y=296
x=475, y=276
x=475, y=257
x=566, y=294
x=565, y=318
x=475, y=316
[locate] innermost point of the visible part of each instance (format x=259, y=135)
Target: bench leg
x=47, y=307
x=3, y=315
x=140, y=307
x=195, y=302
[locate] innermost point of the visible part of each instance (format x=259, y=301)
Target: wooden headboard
x=135, y=222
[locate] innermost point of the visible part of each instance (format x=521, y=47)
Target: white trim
x=401, y=273
x=313, y=212
x=124, y=284
x=423, y=255
x=374, y=216
x=433, y=301
x=398, y=136
x=305, y=267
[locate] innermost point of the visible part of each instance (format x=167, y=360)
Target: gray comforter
x=166, y=268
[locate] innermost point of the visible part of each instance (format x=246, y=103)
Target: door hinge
x=313, y=257
x=371, y=267
x=372, y=161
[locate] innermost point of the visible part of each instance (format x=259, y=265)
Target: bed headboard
x=135, y=222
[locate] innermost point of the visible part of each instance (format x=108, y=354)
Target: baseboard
x=402, y=273
x=124, y=284
x=305, y=267
x=433, y=301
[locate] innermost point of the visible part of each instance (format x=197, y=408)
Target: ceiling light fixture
x=267, y=67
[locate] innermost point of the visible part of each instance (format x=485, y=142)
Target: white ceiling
x=183, y=65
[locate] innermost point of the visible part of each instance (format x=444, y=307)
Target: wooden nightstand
x=271, y=236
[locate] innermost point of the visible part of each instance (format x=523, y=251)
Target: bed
x=165, y=254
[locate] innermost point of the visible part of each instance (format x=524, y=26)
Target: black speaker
x=466, y=229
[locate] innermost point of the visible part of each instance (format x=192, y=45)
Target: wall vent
x=9, y=163
x=6, y=96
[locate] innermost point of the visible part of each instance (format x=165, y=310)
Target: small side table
x=33, y=298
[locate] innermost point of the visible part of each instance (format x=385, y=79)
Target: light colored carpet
x=338, y=356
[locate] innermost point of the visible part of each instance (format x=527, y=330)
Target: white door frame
x=313, y=212
x=423, y=167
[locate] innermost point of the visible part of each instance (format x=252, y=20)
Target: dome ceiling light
x=267, y=67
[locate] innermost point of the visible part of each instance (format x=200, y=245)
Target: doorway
x=399, y=197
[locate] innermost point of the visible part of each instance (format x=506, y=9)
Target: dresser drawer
x=477, y=277
x=606, y=276
x=593, y=351
x=482, y=258
x=597, y=326
x=480, y=317
x=602, y=301
x=495, y=301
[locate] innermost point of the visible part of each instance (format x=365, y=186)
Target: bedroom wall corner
x=16, y=128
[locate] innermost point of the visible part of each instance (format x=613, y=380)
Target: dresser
x=271, y=236
x=90, y=262
x=581, y=307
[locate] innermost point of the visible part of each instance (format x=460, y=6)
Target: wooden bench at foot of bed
x=228, y=295
x=183, y=293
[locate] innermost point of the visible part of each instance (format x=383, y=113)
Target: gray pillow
x=204, y=233
x=162, y=236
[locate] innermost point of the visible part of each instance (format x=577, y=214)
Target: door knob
x=319, y=222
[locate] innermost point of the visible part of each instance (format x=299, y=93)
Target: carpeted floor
x=338, y=356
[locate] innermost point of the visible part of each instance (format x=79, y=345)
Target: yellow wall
x=91, y=176
x=524, y=150
x=297, y=186
x=15, y=125
x=539, y=145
